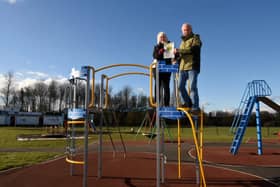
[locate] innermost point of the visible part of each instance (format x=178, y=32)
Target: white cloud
x=74, y=73
x=2, y=81
x=140, y=91
x=11, y=2
x=38, y=75
x=24, y=79
x=276, y=99
x=25, y=82
x=58, y=79
x=18, y=74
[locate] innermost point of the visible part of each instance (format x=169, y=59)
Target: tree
x=80, y=94
x=126, y=95
x=133, y=101
x=142, y=101
x=15, y=99
x=62, y=92
x=97, y=95
x=8, y=88
x=29, y=99
x=52, y=94
x=41, y=91
x=21, y=99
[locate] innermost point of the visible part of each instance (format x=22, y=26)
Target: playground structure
x=174, y=113
x=256, y=91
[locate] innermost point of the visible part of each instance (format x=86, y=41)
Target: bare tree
x=97, y=95
x=62, y=92
x=133, y=101
x=80, y=94
x=8, y=88
x=126, y=95
x=142, y=101
x=29, y=99
x=116, y=101
x=52, y=94
x=21, y=99
x=41, y=91
x=14, y=101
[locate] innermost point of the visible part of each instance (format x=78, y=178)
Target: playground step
x=170, y=113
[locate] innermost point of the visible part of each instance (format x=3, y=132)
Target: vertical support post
x=162, y=150
x=201, y=138
x=179, y=148
x=72, y=138
x=86, y=129
x=195, y=117
x=158, y=128
x=259, y=128
x=99, y=173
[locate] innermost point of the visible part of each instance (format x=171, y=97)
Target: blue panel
x=170, y=113
x=76, y=113
x=162, y=67
x=84, y=71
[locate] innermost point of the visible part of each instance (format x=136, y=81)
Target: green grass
x=8, y=140
x=218, y=134
x=19, y=159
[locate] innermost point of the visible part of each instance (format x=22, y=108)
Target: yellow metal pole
x=117, y=65
x=76, y=122
x=152, y=103
x=107, y=92
x=201, y=139
x=179, y=149
x=128, y=73
x=201, y=134
x=196, y=145
x=73, y=161
x=177, y=90
x=92, y=88
x=92, y=100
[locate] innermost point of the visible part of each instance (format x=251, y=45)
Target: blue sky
x=47, y=38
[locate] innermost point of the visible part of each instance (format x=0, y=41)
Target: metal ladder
x=254, y=90
x=242, y=125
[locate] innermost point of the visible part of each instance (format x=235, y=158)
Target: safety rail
x=257, y=88
x=198, y=147
x=162, y=67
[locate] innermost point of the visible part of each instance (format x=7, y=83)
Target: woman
x=164, y=77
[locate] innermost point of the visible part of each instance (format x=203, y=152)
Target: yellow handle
x=73, y=161
x=152, y=102
x=196, y=145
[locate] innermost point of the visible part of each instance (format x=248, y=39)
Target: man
x=189, y=58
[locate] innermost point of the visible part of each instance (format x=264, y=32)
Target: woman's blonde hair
x=159, y=35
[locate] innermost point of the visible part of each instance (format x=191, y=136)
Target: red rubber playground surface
x=137, y=169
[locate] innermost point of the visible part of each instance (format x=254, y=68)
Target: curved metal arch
x=116, y=76
x=128, y=73
x=117, y=65
x=91, y=104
